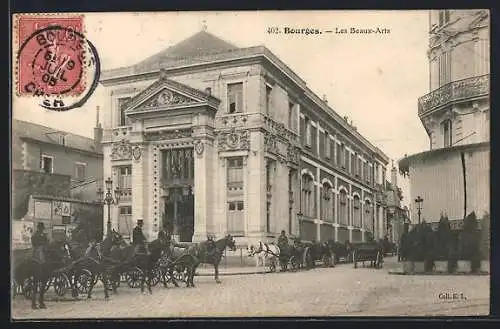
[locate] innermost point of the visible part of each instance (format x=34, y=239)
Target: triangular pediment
x=165, y=94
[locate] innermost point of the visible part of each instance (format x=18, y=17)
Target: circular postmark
x=56, y=63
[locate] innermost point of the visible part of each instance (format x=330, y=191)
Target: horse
x=202, y=255
x=177, y=259
x=263, y=253
x=145, y=262
x=57, y=256
x=92, y=268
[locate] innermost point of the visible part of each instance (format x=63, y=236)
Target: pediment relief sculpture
x=166, y=97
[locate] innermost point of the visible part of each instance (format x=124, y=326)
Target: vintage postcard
x=250, y=164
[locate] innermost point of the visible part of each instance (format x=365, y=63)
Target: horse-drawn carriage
x=371, y=251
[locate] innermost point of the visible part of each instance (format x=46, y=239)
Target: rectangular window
x=447, y=133
x=339, y=155
x=235, y=172
x=291, y=116
x=269, y=99
x=80, y=171
x=125, y=177
x=354, y=164
x=62, y=139
x=121, y=110
x=125, y=225
x=327, y=146
x=346, y=159
x=235, y=97
x=308, y=131
x=47, y=164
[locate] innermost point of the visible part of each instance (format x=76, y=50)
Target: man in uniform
x=39, y=242
x=138, y=239
x=282, y=240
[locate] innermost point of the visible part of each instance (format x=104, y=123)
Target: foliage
x=485, y=237
x=470, y=241
x=89, y=219
x=443, y=237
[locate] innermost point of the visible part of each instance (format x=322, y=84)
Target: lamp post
x=106, y=197
x=419, y=201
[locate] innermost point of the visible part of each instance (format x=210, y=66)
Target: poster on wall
x=21, y=234
x=43, y=210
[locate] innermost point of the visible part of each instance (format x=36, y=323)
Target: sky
x=374, y=79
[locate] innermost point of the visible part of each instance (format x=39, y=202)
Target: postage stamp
x=54, y=60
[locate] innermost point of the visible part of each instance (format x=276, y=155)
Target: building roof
x=201, y=43
x=38, y=133
x=204, y=48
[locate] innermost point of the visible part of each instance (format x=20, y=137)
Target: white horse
x=265, y=254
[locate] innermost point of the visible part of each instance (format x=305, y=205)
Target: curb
x=440, y=274
x=229, y=274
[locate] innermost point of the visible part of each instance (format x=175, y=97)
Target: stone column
x=203, y=172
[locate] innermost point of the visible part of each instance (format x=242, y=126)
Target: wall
x=64, y=159
x=26, y=183
x=439, y=181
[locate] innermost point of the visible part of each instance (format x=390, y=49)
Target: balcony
x=453, y=92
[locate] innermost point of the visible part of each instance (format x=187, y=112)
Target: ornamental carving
x=234, y=140
x=167, y=97
x=199, y=147
x=121, y=150
x=169, y=134
x=271, y=143
x=293, y=153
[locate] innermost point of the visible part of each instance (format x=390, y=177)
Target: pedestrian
x=138, y=239
x=39, y=242
x=282, y=239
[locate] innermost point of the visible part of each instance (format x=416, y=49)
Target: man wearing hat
x=39, y=242
x=138, y=238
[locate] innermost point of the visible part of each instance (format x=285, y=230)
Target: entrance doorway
x=179, y=213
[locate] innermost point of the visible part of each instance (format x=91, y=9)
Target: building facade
x=54, y=165
x=208, y=138
x=453, y=176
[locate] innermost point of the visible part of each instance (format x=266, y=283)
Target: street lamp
x=419, y=201
x=107, y=198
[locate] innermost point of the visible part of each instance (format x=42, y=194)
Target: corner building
x=454, y=175
x=209, y=138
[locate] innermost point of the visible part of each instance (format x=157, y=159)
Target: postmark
x=56, y=64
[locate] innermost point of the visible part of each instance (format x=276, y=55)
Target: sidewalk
x=209, y=271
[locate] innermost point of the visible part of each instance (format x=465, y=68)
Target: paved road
x=340, y=291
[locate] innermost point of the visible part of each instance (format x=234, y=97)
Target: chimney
x=325, y=99
x=98, y=131
x=394, y=176
x=208, y=91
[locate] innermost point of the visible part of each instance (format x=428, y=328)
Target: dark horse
x=202, y=254
x=56, y=256
x=145, y=262
x=88, y=269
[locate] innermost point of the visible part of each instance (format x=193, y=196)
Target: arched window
x=343, y=207
x=307, y=195
x=326, y=205
x=356, y=211
x=368, y=216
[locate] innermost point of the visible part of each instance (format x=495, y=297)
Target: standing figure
x=138, y=239
x=39, y=242
x=282, y=240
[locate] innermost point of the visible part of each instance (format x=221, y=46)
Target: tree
x=443, y=238
x=470, y=242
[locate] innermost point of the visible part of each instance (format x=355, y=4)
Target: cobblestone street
x=340, y=291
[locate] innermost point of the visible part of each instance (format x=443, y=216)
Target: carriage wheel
x=272, y=265
x=354, y=259
x=180, y=274
x=294, y=263
x=83, y=281
x=61, y=284
x=134, y=278
x=155, y=276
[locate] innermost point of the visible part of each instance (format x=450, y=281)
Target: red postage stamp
x=51, y=55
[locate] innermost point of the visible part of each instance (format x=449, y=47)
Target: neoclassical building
x=209, y=138
x=453, y=176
